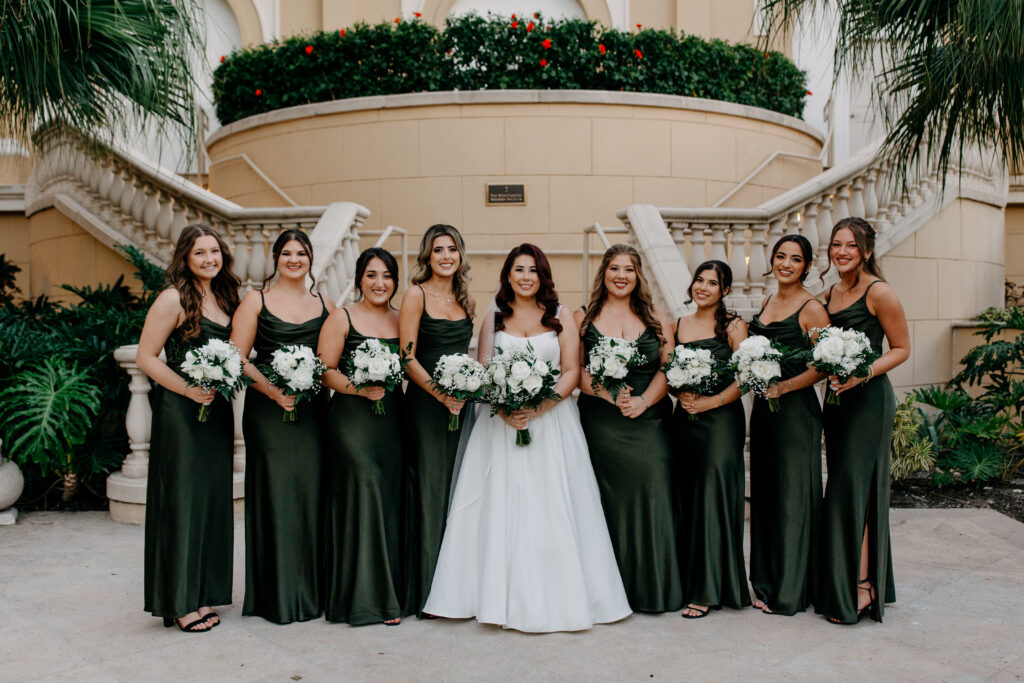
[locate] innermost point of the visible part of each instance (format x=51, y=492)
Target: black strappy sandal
x=862, y=585
x=191, y=627
x=701, y=613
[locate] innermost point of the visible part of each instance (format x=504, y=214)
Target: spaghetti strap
x=764, y=304
x=423, y=293
x=828, y=295
x=804, y=304
x=347, y=316
x=678, y=320
x=322, y=303
x=868, y=288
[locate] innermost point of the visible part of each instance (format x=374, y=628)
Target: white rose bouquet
x=757, y=364
x=375, y=363
x=843, y=353
x=610, y=361
x=693, y=370
x=217, y=366
x=296, y=370
x=461, y=377
x=518, y=379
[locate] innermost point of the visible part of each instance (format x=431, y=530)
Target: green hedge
x=496, y=53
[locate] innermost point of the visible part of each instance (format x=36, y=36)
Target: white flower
x=520, y=370
x=215, y=373
x=377, y=368
x=301, y=379
x=540, y=368
x=498, y=375
x=676, y=377
x=615, y=367
x=765, y=370
x=829, y=349
x=473, y=382
x=533, y=383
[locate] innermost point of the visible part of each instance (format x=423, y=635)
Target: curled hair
x=640, y=301
x=805, y=248
x=864, y=236
x=547, y=297
x=364, y=260
x=283, y=239
x=179, y=276
x=723, y=316
x=421, y=270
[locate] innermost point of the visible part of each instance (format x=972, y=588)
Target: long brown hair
x=179, y=276
x=640, y=301
x=864, y=236
x=421, y=270
x=547, y=297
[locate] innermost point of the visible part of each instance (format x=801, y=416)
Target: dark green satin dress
x=429, y=451
x=785, y=482
x=189, y=519
x=362, y=503
x=710, y=454
x=283, y=469
x=858, y=441
x=636, y=473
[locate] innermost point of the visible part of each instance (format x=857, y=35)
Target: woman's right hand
x=454, y=405
x=517, y=420
x=282, y=399
x=372, y=393
x=199, y=395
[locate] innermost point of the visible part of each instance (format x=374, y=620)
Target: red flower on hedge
x=809, y=92
x=258, y=92
x=515, y=24
x=309, y=49
x=222, y=59
x=398, y=20
x=529, y=27
x=639, y=25
x=602, y=48
x=536, y=15
x=543, y=62
x=417, y=14
x=513, y=16
x=639, y=55
x=341, y=33
x=546, y=43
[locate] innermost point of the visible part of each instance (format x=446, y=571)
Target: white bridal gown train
x=526, y=544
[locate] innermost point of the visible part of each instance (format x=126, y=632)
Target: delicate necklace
x=446, y=299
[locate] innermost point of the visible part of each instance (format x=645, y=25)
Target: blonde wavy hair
x=421, y=270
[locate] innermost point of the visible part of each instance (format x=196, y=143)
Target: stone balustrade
x=676, y=240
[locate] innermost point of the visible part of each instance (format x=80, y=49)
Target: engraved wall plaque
x=506, y=195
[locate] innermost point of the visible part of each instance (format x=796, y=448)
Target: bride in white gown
x=526, y=544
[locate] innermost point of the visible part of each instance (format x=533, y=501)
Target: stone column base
x=128, y=497
x=9, y=516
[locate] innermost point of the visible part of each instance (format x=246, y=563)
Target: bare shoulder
x=328, y=304
x=568, y=320
x=660, y=316
x=813, y=314
x=737, y=326
x=337, y=321
x=168, y=300
x=578, y=315
x=412, y=300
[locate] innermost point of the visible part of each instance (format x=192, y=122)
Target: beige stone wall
x=1015, y=244
x=580, y=162
x=60, y=252
x=14, y=245
x=950, y=270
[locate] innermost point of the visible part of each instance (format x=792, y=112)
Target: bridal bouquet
x=215, y=365
x=843, y=353
x=518, y=379
x=296, y=370
x=375, y=363
x=757, y=366
x=692, y=370
x=459, y=376
x=610, y=361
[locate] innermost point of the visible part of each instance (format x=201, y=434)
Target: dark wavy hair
x=805, y=248
x=723, y=316
x=640, y=301
x=864, y=236
x=364, y=260
x=283, y=239
x=179, y=276
x=546, y=294
x=421, y=270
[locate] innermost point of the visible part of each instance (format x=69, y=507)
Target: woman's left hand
x=633, y=407
x=840, y=387
x=701, y=404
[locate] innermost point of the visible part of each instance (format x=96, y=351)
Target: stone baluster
x=758, y=262
x=881, y=221
x=793, y=223
x=857, y=197
x=740, y=296
x=139, y=415
x=719, y=239
x=697, y=238
x=117, y=189
x=124, y=208
x=810, y=231
x=163, y=221
x=870, y=200
x=240, y=253
x=678, y=232
x=147, y=210
x=257, y=257
x=842, y=208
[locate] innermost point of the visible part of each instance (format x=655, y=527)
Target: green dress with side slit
x=283, y=471
x=710, y=454
x=362, y=503
x=429, y=452
x=189, y=519
x=858, y=442
x=785, y=481
x=635, y=467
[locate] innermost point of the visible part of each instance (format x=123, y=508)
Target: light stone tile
x=424, y=201
x=932, y=352
x=915, y=282
x=704, y=151
x=464, y=146
x=577, y=202
x=957, y=297
x=940, y=236
x=631, y=147
x=669, y=191
x=531, y=219
x=990, y=286
x=548, y=146
x=377, y=150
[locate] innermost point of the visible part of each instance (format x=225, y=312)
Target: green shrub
x=497, y=53
x=912, y=451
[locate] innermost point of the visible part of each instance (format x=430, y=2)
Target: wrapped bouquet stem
x=461, y=377
x=518, y=379
x=295, y=370
x=214, y=366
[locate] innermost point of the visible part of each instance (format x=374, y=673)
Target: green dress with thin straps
x=362, y=503
x=283, y=540
x=189, y=518
x=858, y=441
x=429, y=451
x=710, y=453
x=636, y=473
x=785, y=481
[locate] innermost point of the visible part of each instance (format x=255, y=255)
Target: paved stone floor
x=71, y=610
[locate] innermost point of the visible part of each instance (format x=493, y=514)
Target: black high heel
x=862, y=585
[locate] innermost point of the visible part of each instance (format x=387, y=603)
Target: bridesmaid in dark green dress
x=283, y=468
x=711, y=455
x=628, y=437
x=437, y=319
x=856, y=555
x=189, y=519
x=785, y=447
x=362, y=459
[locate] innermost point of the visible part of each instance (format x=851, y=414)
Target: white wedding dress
x=526, y=544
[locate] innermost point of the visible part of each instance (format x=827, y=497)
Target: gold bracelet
x=871, y=373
